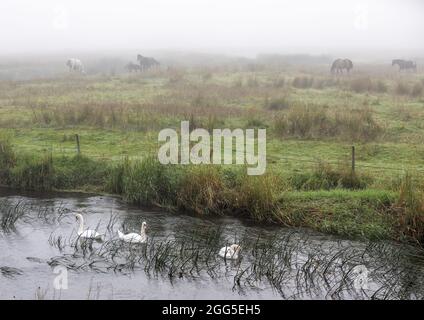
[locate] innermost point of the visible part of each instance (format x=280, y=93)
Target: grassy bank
x=325, y=199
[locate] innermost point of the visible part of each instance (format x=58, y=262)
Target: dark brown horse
x=340, y=64
x=405, y=64
x=147, y=62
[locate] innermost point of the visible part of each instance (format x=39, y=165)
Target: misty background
x=49, y=31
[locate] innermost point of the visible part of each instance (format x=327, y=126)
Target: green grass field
x=312, y=120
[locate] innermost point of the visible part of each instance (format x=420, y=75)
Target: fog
x=243, y=27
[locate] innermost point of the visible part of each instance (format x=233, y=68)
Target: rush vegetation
x=312, y=119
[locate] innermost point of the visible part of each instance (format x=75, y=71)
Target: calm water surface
x=180, y=259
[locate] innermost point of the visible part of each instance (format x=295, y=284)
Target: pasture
x=313, y=119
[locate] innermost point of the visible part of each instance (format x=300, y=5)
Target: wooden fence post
x=78, y=143
x=353, y=159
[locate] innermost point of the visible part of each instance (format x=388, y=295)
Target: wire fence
x=346, y=159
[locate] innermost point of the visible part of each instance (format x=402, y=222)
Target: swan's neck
x=143, y=231
x=81, y=226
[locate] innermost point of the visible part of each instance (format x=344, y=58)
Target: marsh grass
x=410, y=210
x=145, y=182
x=216, y=190
x=202, y=190
x=7, y=159
x=28, y=172
x=10, y=272
x=257, y=196
x=295, y=105
x=33, y=174
x=404, y=113
x=360, y=85
x=326, y=177
x=316, y=121
x=10, y=214
x=25, y=211
x=79, y=171
x=152, y=102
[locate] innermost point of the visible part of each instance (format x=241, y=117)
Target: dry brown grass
x=410, y=210
x=316, y=121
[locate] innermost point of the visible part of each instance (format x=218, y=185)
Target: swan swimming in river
x=231, y=252
x=135, y=237
x=87, y=234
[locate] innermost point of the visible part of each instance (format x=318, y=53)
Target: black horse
x=405, y=64
x=147, y=62
x=340, y=64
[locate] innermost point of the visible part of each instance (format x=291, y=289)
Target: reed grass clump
x=326, y=177
x=361, y=213
x=10, y=214
x=79, y=172
x=201, y=190
x=146, y=182
x=315, y=121
x=7, y=159
x=257, y=196
x=33, y=173
x=409, y=209
x=115, y=180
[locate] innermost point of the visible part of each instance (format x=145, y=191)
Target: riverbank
x=327, y=200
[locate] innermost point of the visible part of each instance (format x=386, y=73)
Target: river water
x=41, y=256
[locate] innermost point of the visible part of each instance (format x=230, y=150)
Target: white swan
x=231, y=252
x=135, y=237
x=87, y=234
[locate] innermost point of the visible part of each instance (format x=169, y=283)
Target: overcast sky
x=308, y=26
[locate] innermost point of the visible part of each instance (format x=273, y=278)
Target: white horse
x=75, y=65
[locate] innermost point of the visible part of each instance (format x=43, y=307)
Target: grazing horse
x=75, y=65
x=133, y=67
x=340, y=64
x=147, y=62
x=405, y=64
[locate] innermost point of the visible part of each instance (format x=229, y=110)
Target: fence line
x=275, y=159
